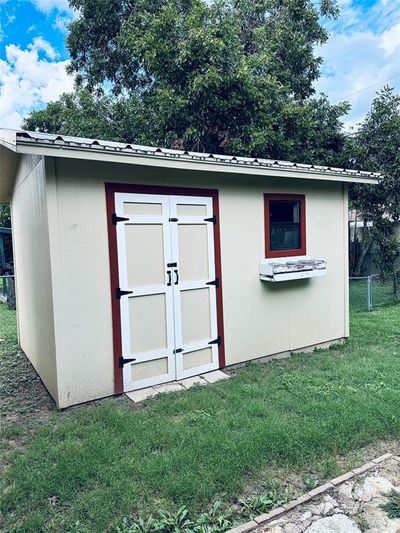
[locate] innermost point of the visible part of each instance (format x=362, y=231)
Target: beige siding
x=259, y=318
x=32, y=268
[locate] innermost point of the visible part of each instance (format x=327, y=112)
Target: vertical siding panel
x=32, y=269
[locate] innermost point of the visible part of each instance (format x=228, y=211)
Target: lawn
x=289, y=423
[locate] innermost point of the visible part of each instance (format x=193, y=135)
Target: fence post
x=369, y=285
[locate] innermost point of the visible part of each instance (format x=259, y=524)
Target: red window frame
x=284, y=198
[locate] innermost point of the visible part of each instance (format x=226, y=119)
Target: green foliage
x=392, y=506
x=361, y=521
x=311, y=483
x=228, y=76
x=375, y=147
x=5, y=216
x=329, y=468
x=77, y=527
x=213, y=521
x=80, y=114
x=259, y=504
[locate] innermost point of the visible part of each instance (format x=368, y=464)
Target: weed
x=256, y=505
x=392, y=506
x=311, y=483
x=329, y=468
x=361, y=522
x=215, y=520
x=77, y=527
x=212, y=521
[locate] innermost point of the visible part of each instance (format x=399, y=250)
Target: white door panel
x=166, y=264
x=195, y=303
x=147, y=329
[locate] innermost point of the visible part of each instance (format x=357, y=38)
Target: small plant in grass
x=256, y=505
x=174, y=522
x=77, y=527
x=329, y=468
x=392, y=506
x=215, y=520
x=311, y=483
x=140, y=526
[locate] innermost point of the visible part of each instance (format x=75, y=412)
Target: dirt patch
x=22, y=393
x=24, y=401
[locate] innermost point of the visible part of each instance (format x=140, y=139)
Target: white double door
x=167, y=284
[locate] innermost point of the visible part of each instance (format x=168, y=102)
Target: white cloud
x=29, y=79
x=357, y=16
x=39, y=44
x=361, y=56
x=61, y=22
x=46, y=6
x=391, y=39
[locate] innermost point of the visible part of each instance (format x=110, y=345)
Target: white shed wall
x=32, y=269
x=260, y=319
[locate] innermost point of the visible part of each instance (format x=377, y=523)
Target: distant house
x=137, y=265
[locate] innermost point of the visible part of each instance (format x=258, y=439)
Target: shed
x=137, y=266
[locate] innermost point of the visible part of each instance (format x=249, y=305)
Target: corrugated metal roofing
x=134, y=149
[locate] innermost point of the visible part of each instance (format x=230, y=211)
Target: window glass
x=284, y=225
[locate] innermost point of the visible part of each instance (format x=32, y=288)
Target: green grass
x=99, y=463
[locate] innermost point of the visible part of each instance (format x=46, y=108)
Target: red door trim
x=284, y=197
x=111, y=189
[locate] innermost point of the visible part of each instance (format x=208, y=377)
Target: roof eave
x=105, y=155
x=8, y=168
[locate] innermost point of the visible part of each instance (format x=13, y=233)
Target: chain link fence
x=369, y=292
x=7, y=291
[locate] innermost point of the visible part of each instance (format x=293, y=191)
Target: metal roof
x=14, y=142
x=134, y=149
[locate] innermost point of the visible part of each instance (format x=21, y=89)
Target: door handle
x=177, y=277
x=169, y=278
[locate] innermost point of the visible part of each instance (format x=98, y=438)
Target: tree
x=376, y=147
x=5, y=216
x=230, y=76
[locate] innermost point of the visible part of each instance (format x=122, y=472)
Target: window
x=285, y=225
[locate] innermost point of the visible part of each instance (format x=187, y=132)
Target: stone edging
x=278, y=511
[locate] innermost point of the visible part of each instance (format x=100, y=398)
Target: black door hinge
x=122, y=361
x=173, y=220
x=119, y=293
x=216, y=341
x=115, y=219
x=215, y=282
x=211, y=219
x=178, y=350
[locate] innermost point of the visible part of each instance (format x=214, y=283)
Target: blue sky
x=361, y=55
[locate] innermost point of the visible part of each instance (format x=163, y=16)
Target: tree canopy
x=228, y=76
x=375, y=147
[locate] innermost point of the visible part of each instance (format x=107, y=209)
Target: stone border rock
x=279, y=511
